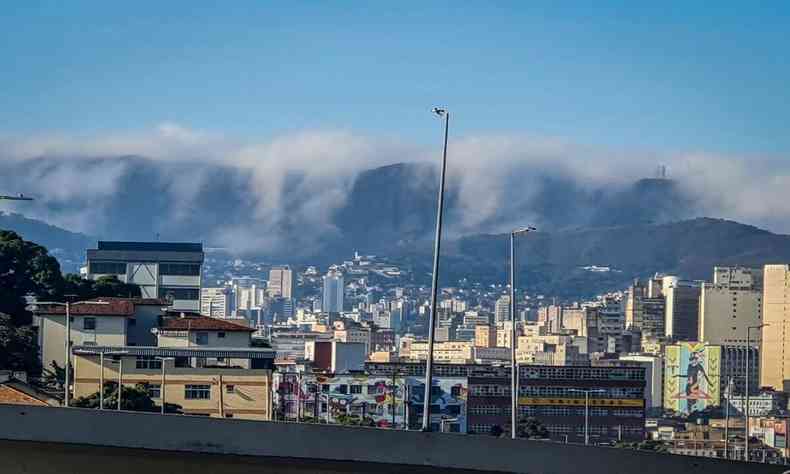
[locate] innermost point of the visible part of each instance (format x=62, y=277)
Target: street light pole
x=586, y=393
x=746, y=410
x=68, y=354
x=101, y=381
x=120, y=381
x=426, y=414
x=513, y=340
x=727, y=419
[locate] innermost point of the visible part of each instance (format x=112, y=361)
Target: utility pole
x=426, y=414
x=513, y=332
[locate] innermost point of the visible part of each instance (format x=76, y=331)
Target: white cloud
x=299, y=179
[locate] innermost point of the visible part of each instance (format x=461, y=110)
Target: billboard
x=692, y=376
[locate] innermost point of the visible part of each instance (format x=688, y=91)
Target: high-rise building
x=775, y=353
x=502, y=309
x=332, y=301
x=682, y=309
x=485, y=335
x=281, y=281
x=730, y=304
x=645, y=309
x=216, y=302
x=170, y=271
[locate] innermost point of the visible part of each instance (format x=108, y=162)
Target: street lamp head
x=525, y=230
x=439, y=111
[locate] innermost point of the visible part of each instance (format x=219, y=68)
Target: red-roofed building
x=104, y=324
x=191, y=329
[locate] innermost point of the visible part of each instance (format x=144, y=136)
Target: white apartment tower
x=333, y=292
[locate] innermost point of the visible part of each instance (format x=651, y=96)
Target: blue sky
x=679, y=76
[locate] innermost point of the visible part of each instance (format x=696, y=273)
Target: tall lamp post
x=748, y=368
x=67, y=338
x=426, y=414
x=164, y=360
x=586, y=393
x=513, y=364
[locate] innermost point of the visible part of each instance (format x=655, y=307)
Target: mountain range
x=634, y=230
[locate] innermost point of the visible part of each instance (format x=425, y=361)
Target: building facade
x=333, y=292
x=775, y=358
x=216, y=389
x=281, y=282
x=729, y=305
x=170, y=271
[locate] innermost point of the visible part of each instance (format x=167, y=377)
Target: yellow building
x=218, y=382
x=485, y=335
x=775, y=353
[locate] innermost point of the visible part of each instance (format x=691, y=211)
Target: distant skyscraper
x=216, y=302
x=775, y=353
x=682, y=309
x=502, y=309
x=730, y=304
x=332, y=301
x=281, y=281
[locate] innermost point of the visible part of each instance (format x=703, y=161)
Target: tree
x=26, y=268
x=106, y=286
x=18, y=347
x=531, y=428
x=132, y=399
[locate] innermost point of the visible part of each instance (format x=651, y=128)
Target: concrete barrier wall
x=248, y=446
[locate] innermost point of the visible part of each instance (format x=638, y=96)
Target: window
x=342, y=389
x=455, y=391
x=178, y=269
x=201, y=338
x=154, y=390
x=230, y=388
x=89, y=324
x=325, y=388
x=372, y=389
x=356, y=389
x=228, y=415
x=107, y=268
x=220, y=335
x=148, y=362
x=197, y=392
x=179, y=293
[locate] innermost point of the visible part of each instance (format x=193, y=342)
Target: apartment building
x=170, y=271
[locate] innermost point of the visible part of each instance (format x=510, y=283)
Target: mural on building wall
x=692, y=377
x=448, y=400
x=380, y=401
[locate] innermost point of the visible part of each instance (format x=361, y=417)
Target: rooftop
x=151, y=246
x=194, y=322
x=112, y=307
x=209, y=352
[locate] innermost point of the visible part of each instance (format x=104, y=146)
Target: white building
x=171, y=271
x=502, y=309
x=216, y=302
x=334, y=287
x=91, y=325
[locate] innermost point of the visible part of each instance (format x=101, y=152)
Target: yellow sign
x=594, y=402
